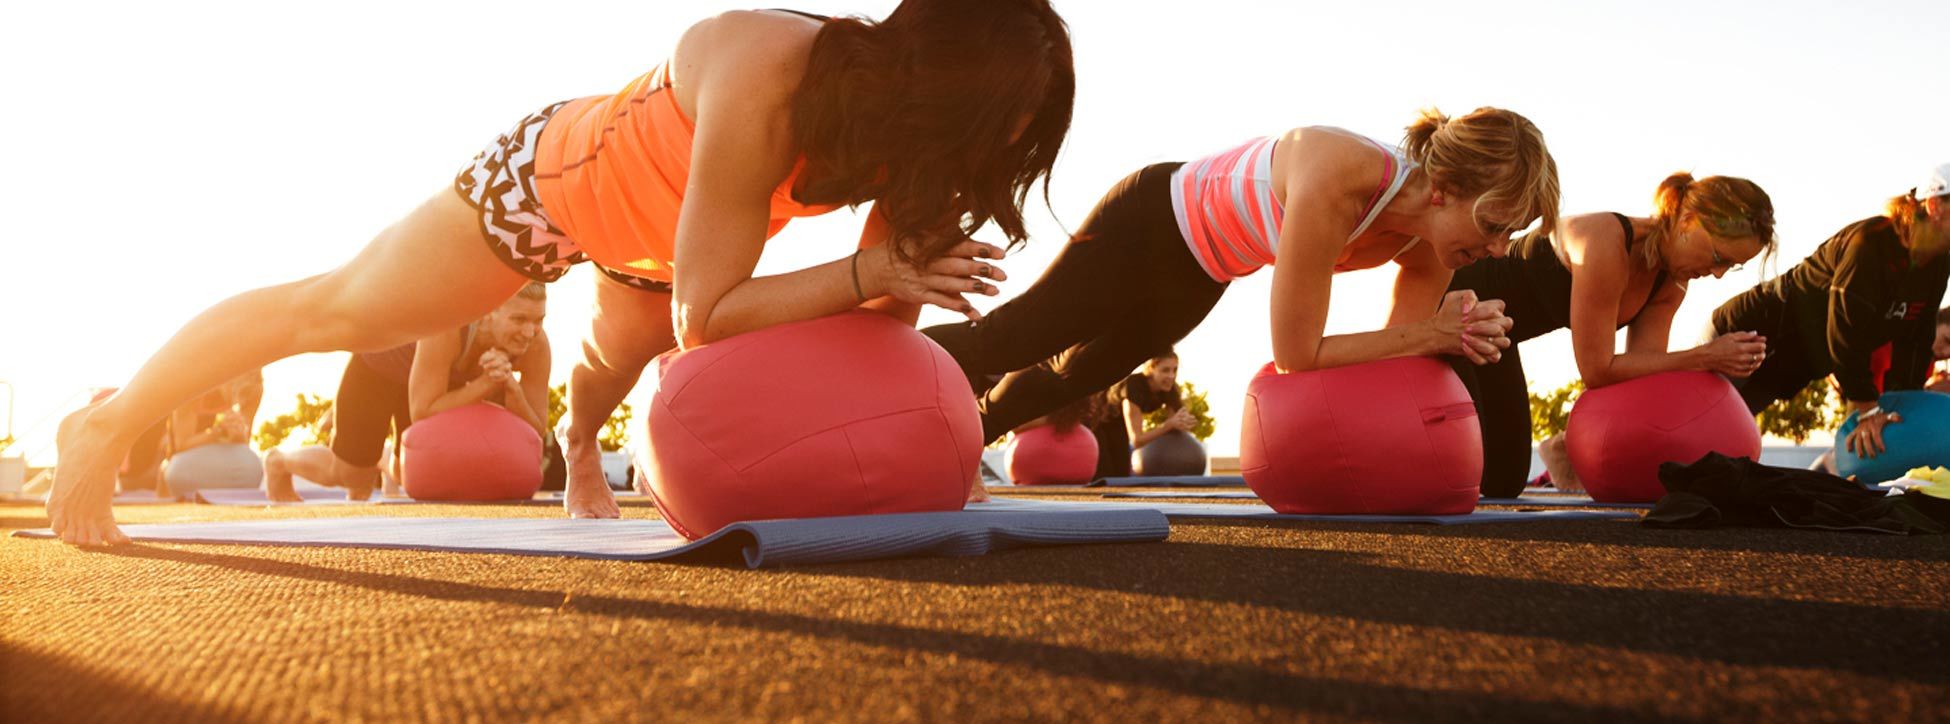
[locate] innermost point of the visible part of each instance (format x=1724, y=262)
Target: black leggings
x=1786, y=370
x=370, y=408
x=1125, y=289
x=1501, y=393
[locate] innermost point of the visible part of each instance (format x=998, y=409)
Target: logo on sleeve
x=1906, y=311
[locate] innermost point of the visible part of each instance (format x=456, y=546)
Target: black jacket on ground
x=1718, y=490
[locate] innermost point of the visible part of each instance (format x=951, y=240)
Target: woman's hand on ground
x=1734, y=354
x=1477, y=330
x=964, y=269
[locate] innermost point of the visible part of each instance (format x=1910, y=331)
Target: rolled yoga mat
x=757, y=544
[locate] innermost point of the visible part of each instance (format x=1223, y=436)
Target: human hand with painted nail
x=966, y=268
x=1477, y=330
x=1734, y=354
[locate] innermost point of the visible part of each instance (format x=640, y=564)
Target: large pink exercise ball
x=1618, y=434
x=1391, y=437
x=477, y=452
x=850, y=414
x=1049, y=456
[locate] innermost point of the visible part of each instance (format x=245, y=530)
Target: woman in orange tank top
x=941, y=116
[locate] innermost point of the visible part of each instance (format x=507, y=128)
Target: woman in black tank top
x=1601, y=273
x=503, y=358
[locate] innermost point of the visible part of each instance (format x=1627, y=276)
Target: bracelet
x=1877, y=410
x=857, y=291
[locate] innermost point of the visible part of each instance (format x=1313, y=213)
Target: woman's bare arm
x=426, y=385
x=1601, y=272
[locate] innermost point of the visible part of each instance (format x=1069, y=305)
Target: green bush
x=615, y=432
x=1799, y=416
x=1551, y=411
x=309, y=413
x=558, y=404
x=1195, y=404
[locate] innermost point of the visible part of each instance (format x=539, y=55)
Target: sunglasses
x=1719, y=261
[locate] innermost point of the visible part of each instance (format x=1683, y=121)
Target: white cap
x=1938, y=183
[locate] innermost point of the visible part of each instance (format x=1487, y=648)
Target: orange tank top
x=610, y=172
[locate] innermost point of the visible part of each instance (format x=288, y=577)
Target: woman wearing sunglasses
x=1597, y=273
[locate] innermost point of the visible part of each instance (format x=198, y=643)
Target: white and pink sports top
x=1226, y=211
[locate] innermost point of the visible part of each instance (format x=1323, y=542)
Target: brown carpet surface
x=1573, y=620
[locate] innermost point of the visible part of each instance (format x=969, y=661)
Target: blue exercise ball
x=1921, y=439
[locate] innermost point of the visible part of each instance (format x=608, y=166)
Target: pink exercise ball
x=850, y=414
x=1048, y=456
x=1619, y=434
x=1391, y=437
x=473, y=453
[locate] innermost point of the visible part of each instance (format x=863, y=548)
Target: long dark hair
x=915, y=112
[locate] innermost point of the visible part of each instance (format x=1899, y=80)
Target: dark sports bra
x=813, y=16
x=1658, y=281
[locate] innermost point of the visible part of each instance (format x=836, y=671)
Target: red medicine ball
x=1390, y=437
x=850, y=414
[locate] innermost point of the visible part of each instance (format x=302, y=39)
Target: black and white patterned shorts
x=500, y=185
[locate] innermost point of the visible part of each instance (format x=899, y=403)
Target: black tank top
x=1535, y=284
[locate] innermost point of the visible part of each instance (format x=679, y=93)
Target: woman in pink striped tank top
x=1157, y=252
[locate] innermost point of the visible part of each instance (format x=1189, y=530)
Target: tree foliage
x=1551, y=411
x=309, y=416
x=616, y=430
x=1799, y=416
x=1195, y=404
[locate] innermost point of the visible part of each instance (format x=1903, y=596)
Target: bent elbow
x=1291, y=363
x=689, y=327
x=1594, y=379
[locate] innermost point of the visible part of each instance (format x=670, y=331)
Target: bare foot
x=1557, y=460
x=277, y=479
x=587, y=494
x=977, y=492
x=78, y=507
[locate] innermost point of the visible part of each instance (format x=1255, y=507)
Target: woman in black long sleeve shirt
x=1876, y=282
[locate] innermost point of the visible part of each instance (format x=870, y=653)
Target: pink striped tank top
x=1226, y=211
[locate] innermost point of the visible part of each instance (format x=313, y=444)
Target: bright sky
x=167, y=155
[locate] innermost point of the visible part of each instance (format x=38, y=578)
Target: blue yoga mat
x=1563, y=501
x=1210, y=495
x=1171, y=481
x=311, y=496
x=336, y=496
x=133, y=497
x=760, y=543
x=1261, y=512
x=1555, y=501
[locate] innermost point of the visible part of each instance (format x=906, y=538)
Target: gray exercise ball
x=1173, y=453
